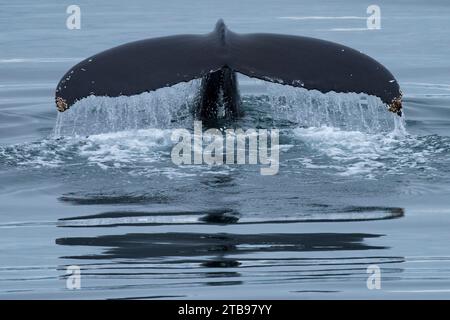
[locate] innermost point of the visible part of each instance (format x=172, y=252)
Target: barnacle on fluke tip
x=61, y=104
x=396, y=106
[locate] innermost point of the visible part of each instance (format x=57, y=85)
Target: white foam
x=127, y=147
x=358, y=153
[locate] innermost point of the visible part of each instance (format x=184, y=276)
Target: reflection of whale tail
x=150, y=64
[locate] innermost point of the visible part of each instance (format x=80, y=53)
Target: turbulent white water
x=158, y=109
x=358, y=153
x=311, y=108
x=344, y=134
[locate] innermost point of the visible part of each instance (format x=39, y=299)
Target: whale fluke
x=147, y=65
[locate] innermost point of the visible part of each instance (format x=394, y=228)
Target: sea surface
x=95, y=187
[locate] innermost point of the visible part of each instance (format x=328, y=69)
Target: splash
x=311, y=108
x=157, y=109
x=173, y=107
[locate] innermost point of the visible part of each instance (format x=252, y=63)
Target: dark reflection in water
x=220, y=181
x=227, y=216
x=159, y=264
x=142, y=245
x=221, y=264
x=142, y=218
x=120, y=198
x=166, y=262
x=224, y=283
x=175, y=263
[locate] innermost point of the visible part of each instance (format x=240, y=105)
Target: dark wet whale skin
x=218, y=89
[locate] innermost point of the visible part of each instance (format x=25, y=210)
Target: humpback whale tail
x=150, y=64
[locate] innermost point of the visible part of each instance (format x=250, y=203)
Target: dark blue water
x=95, y=187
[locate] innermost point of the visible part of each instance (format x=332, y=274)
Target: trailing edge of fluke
x=150, y=64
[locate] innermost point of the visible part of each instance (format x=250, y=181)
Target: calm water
x=95, y=187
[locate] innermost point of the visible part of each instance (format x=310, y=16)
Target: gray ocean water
x=95, y=187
